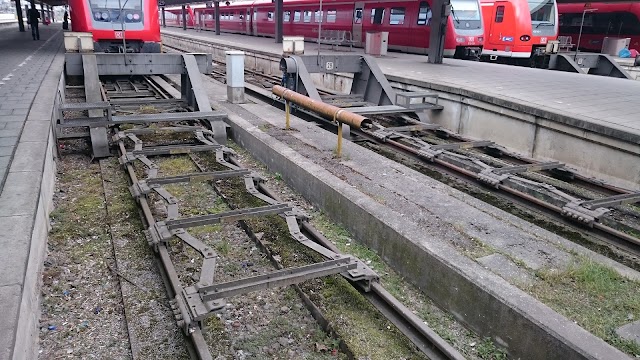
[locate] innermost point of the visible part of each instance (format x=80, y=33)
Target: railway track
x=190, y=193
x=591, y=212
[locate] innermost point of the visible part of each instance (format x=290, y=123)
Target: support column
x=217, y=9
x=51, y=14
x=278, y=19
x=41, y=13
x=441, y=11
x=19, y=15
x=184, y=17
x=164, y=19
x=235, y=76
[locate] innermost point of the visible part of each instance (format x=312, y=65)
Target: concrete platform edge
x=512, y=104
x=27, y=327
x=478, y=298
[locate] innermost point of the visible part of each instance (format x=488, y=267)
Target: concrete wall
x=609, y=154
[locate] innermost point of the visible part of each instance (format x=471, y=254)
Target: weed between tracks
x=366, y=332
x=271, y=323
x=82, y=312
x=595, y=297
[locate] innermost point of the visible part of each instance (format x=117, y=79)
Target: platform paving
x=29, y=74
x=595, y=103
x=23, y=64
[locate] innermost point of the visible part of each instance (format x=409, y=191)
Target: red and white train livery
x=112, y=20
x=518, y=28
x=408, y=22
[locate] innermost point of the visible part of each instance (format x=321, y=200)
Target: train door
x=254, y=22
x=247, y=21
x=358, y=16
x=501, y=32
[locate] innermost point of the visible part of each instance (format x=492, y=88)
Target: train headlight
x=525, y=38
x=480, y=38
x=460, y=39
x=105, y=15
x=97, y=15
x=136, y=16
x=129, y=16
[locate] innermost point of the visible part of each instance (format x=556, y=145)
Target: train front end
x=467, y=38
x=118, y=25
x=544, y=24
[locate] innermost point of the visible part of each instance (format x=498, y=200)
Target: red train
x=602, y=20
x=111, y=21
x=518, y=29
x=408, y=22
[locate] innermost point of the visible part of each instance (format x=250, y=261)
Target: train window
x=286, y=16
x=319, y=15
x=296, y=16
x=357, y=16
x=396, y=16
x=231, y=16
x=331, y=16
x=424, y=14
x=499, y=13
x=307, y=16
x=628, y=24
x=255, y=15
x=270, y=16
x=377, y=15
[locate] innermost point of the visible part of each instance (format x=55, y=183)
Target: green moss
x=595, y=296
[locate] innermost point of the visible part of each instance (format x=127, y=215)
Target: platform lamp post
x=586, y=10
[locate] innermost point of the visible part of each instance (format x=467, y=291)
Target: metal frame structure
x=370, y=92
x=92, y=66
x=193, y=304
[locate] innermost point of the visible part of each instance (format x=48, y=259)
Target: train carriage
x=408, y=22
x=518, y=29
x=601, y=20
x=118, y=25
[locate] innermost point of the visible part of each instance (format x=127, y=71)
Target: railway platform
x=583, y=120
x=29, y=75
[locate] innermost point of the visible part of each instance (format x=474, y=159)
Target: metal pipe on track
x=330, y=112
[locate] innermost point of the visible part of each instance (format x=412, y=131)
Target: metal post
x=441, y=10
x=339, y=147
x=184, y=17
x=279, y=26
x=580, y=34
x=287, y=111
x=319, y=31
x=41, y=12
x=217, y=8
x=235, y=76
x=19, y=14
x=164, y=19
x=51, y=14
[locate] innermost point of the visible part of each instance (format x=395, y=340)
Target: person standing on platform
x=34, y=15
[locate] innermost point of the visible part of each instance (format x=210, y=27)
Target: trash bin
x=376, y=43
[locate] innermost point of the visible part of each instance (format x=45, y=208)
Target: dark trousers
x=35, y=32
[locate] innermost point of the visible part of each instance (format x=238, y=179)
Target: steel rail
x=414, y=328
x=201, y=351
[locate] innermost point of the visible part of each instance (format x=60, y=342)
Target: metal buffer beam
x=369, y=87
